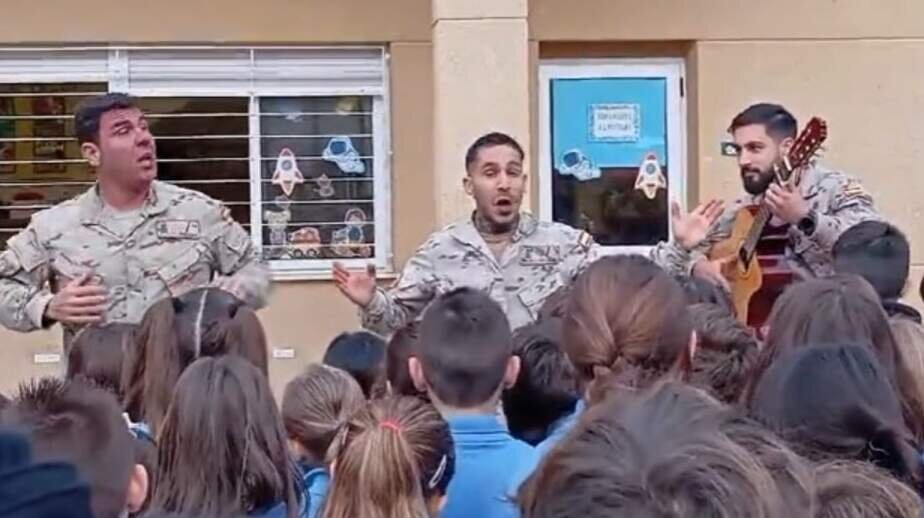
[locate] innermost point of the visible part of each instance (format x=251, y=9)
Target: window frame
x=110, y=65
x=671, y=69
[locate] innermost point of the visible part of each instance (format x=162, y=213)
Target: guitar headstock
x=807, y=143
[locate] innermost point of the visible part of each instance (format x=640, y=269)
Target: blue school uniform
x=560, y=428
x=315, y=480
x=490, y=466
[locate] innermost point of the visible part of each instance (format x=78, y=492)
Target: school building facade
x=336, y=129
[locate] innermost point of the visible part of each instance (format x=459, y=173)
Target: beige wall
x=215, y=21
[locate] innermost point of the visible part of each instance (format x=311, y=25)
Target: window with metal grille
x=293, y=140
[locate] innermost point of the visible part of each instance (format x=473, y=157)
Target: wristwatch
x=808, y=223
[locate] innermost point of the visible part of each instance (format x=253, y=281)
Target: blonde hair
x=316, y=404
x=391, y=459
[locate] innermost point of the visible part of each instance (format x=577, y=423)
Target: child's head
x=77, y=422
x=222, y=448
x=97, y=353
x=725, y=354
x=837, y=402
x=546, y=389
x=173, y=334
x=464, y=353
x=38, y=489
x=851, y=489
x=393, y=459
x=842, y=309
x=627, y=324
x=400, y=349
x=314, y=407
x=878, y=252
x=658, y=453
x=362, y=355
x=701, y=291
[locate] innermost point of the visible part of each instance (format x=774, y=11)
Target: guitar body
x=757, y=284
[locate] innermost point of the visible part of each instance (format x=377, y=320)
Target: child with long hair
x=394, y=459
x=222, y=447
x=315, y=405
x=173, y=334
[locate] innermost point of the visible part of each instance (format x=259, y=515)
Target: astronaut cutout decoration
x=349, y=241
x=287, y=175
x=340, y=150
x=650, y=178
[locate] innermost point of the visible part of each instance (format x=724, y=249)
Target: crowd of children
x=633, y=394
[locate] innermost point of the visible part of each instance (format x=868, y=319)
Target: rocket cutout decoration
x=287, y=175
x=650, y=178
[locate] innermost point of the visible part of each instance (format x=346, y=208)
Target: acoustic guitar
x=758, y=272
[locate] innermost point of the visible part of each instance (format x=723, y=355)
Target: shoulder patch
x=585, y=240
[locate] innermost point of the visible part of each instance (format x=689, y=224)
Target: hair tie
x=391, y=424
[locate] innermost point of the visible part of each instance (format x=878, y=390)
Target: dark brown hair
x=173, y=334
x=491, y=140
x=77, y=422
x=725, y=355
x=90, y=111
x=843, y=309
x=401, y=347
x=362, y=355
x=394, y=456
x=654, y=454
x=627, y=323
x=850, y=489
x=222, y=450
x=97, y=353
x=837, y=402
x=464, y=347
x=316, y=404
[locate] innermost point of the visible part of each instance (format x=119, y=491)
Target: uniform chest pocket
x=534, y=295
x=186, y=271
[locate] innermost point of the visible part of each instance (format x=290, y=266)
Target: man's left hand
x=787, y=203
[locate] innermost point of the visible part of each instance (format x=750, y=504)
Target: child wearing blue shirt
x=464, y=360
x=314, y=406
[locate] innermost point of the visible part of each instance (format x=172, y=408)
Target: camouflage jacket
x=179, y=240
x=839, y=202
x=541, y=258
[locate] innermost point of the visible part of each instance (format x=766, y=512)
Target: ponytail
x=392, y=457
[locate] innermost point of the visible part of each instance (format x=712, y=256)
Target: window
x=612, y=152
x=293, y=140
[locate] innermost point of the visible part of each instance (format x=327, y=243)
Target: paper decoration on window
x=340, y=151
x=615, y=122
x=305, y=243
x=287, y=175
x=282, y=202
x=576, y=163
x=347, y=105
x=325, y=186
x=277, y=222
x=349, y=241
x=650, y=178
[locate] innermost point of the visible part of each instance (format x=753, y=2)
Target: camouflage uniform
x=541, y=257
x=177, y=241
x=839, y=201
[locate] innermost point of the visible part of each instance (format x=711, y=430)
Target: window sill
x=320, y=275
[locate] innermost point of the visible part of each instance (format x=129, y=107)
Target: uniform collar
x=466, y=232
x=91, y=205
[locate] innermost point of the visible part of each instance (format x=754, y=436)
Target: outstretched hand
x=691, y=229
x=356, y=285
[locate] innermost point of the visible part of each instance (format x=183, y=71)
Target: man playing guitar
x=817, y=204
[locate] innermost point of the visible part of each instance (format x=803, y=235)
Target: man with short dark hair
x=504, y=252
x=818, y=209
x=76, y=422
x=129, y=241
x=879, y=252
